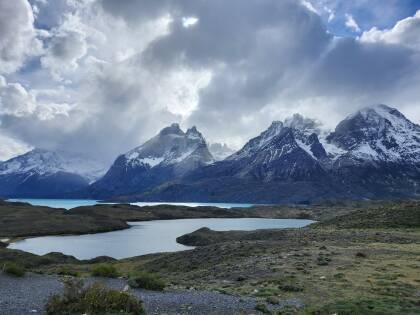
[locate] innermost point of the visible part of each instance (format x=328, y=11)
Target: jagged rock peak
x=173, y=129
x=193, y=133
x=299, y=122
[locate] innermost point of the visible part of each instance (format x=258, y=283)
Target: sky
x=100, y=77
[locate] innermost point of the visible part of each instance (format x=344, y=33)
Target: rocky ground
x=29, y=295
x=363, y=260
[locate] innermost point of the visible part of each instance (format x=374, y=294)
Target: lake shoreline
x=140, y=238
x=357, y=254
x=19, y=217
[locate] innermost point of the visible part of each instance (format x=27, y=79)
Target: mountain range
x=372, y=154
x=47, y=174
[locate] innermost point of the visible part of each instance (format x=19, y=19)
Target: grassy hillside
x=389, y=215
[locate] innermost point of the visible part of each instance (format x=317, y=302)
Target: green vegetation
x=324, y=267
x=368, y=250
x=93, y=300
x=371, y=307
x=261, y=307
x=105, y=270
x=383, y=216
x=14, y=269
x=67, y=271
x=147, y=281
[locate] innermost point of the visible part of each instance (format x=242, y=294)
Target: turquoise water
x=144, y=237
x=73, y=203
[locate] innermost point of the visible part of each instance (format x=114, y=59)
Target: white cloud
x=351, y=23
x=406, y=32
x=17, y=35
x=11, y=147
x=66, y=46
x=16, y=101
x=128, y=68
x=309, y=6
x=189, y=21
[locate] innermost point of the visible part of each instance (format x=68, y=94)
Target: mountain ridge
x=373, y=153
x=170, y=154
x=292, y=161
x=44, y=173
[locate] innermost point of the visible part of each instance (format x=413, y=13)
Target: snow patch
x=152, y=161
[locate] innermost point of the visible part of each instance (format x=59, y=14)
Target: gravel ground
x=20, y=296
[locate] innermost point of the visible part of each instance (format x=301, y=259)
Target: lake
x=73, y=203
x=144, y=237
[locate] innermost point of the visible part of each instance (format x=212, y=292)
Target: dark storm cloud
x=355, y=67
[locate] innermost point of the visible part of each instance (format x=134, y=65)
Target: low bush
x=93, y=300
x=380, y=306
x=104, y=270
x=14, y=269
x=261, y=307
x=273, y=300
x=323, y=261
x=66, y=271
x=147, y=281
x=360, y=255
x=290, y=287
x=267, y=292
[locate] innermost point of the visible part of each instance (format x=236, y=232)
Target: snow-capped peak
x=255, y=144
x=303, y=124
x=173, y=129
x=378, y=133
x=194, y=134
x=302, y=130
x=45, y=162
x=170, y=146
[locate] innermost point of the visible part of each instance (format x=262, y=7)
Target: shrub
x=14, y=269
x=289, y=284
x=273, y=300
x=147, y=281
x=66, y=271
x=105, y=270
x=289, y=287
x=267, y=292
x=261, y=307
x=323, y=261
x=93, y=300
x=361, y=255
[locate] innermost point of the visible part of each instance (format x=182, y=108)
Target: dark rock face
x=168, y=156
x=41, y=186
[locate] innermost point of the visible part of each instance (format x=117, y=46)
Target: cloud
x=405, y=32
x=17, y=33
x=16, y=101
x=352, y=24
x=367, y=13
x=11, y=147
x=67, y=45
x=112, y=73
